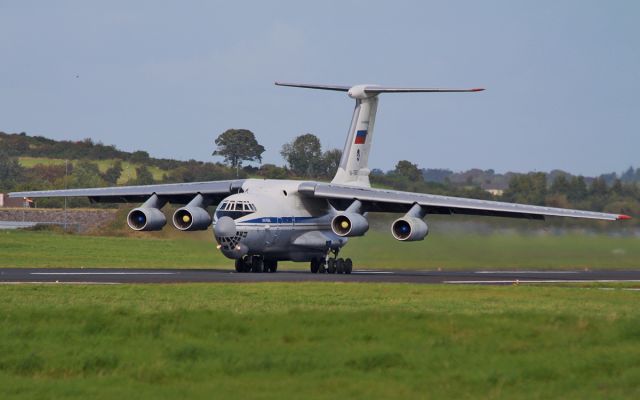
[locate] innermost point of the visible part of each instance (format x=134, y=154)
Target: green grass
x=376, y=250
x=317, y=341
x=128, y=169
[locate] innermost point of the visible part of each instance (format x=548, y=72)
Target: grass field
x=376, y=250
x=128, y=169
x=318, y=341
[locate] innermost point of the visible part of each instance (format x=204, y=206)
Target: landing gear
x=255, y=264
x=315, y=265
x=348, y=266
x=270, y=265
x=340, y=266
x=331, y=265
x=242, y=265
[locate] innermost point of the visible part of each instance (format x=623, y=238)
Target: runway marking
x=548, y=281
x=372, y=272
x=102, y=273
x=528, y=272
x=59, y=283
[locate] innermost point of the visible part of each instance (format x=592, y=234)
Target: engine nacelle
x=349, y=224
x=191, y=218
x=146, y=219
x=409, y=229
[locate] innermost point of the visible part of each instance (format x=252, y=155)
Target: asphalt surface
x=127, y=275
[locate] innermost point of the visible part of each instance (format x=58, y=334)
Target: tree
x=528, y=189
x=577, y=189
x=11, y=171
x=112, y=174
x=628, y=175
x=139, y=156
x=85, y=175
x=408, y=170
x=143, y=176
x=238, y=145
x=304, y=155
x=331, y=162
x=560, y=185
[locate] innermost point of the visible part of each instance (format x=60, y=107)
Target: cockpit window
x=235, y=209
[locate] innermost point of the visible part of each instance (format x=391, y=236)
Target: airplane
x=259, y=222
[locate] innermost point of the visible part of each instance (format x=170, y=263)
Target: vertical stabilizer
x=354, y=164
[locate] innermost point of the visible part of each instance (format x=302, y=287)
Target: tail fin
x=353, y=169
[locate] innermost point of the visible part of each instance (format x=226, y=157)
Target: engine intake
x=191, y=219
x=349, y=224
x=146, y=219
x=409, y=229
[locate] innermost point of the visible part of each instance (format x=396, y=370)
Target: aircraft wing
x=396, y=201
x=180, y=193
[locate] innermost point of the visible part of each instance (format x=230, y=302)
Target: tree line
x=305, y=159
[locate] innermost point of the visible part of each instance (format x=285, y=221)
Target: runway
x=174, y=276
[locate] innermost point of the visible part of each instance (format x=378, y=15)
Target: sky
x=562, y=77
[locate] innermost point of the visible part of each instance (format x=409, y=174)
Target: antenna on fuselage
x=353, y=169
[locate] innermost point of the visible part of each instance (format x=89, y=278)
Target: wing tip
x=477, y=90
x=623, y=217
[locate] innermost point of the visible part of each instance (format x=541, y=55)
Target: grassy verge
x=376, y=250
x=317, y=341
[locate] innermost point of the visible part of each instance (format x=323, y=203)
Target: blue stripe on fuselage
x=278, y=220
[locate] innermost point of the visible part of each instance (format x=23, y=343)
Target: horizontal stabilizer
x=375, y=89
x=338, y=88
x=382, y=89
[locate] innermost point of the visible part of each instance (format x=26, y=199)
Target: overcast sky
x=562, y=77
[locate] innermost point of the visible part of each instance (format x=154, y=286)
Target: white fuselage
x=272, y=219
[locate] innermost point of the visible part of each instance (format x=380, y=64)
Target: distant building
x=495, y=192
x=6, y=201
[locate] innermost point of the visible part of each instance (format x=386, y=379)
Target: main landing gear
x=255, y=264
x=331, y=265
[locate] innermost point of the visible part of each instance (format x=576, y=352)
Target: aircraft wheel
x=340, y=266
x=270, y=265
x=331, y=266
x=257, y=265
x=240, y=265
x=315, y=265
x=322, y=267
x=348, y=266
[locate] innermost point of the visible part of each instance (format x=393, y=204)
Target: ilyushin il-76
x=258, y=222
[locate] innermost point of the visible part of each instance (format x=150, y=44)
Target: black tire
x=270, y=265
x=331, y=266
x=348, y=266
x=257, y=265
x=315, y=265
x=239, y=265
x=340, y=266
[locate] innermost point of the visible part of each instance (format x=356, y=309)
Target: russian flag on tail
x=361, y=136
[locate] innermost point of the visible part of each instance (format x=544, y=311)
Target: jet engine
x=146, y=219
x=349, y=224
x=191, y=219
x=148, y=216
x=409, y=229
x=193, y=216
